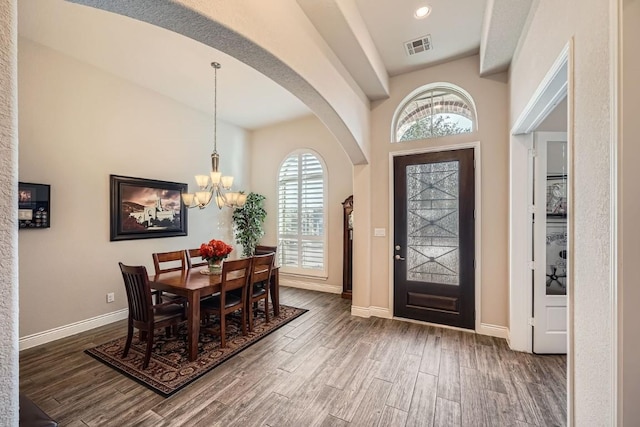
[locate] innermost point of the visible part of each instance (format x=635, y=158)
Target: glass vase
x=215, y=266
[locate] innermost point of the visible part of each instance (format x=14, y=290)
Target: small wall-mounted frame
x=557, y=196
x=146, y=208
x=33, y=205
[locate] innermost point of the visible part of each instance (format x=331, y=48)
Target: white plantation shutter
x=301, y=215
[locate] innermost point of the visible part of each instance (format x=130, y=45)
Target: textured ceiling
x=454, y=25
x=367, y=37
x=158, y=59
x=504, y=21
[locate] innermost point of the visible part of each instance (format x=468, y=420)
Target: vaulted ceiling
x=368, y=36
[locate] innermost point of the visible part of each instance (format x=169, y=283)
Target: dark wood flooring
x=325, y=368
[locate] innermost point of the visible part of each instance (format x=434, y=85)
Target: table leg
x=193, y=319
x=275, y=291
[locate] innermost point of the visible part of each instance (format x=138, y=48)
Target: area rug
x=169, y=369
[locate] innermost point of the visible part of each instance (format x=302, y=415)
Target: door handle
x=399, y=258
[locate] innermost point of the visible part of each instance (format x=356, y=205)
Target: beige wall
x=490, y=96
x=269, y=147
x=78, y=125
x=551, y=28
x=629, y=369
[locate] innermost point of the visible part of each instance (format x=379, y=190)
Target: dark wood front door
x=434, y=237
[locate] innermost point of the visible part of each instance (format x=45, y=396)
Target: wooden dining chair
x=262, y=250
x=259, y=285
x=193, y=254
x=143, y=314
x=232, y=296
x=166, y=262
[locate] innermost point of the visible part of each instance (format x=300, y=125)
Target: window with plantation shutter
x=301, y=215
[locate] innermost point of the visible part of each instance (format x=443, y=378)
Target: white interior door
x=550, y=243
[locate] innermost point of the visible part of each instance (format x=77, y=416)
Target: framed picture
x=33, y=205
x=146, y=208
x=557, y=195
x=556, y=264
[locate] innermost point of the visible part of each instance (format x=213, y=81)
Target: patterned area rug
x=169, y=369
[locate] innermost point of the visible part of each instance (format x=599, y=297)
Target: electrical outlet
x=110, y=297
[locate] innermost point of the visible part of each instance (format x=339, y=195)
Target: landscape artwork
x=145, y=208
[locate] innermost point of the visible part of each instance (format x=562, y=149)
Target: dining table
x=194, y=285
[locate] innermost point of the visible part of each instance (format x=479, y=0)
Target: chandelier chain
x=215, y=66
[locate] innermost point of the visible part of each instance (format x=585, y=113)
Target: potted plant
x=248, y=223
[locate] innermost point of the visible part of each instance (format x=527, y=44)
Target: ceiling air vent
x=416, y=46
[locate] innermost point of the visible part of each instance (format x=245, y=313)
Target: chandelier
x=216, y=186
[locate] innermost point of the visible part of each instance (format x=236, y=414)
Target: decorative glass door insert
x=433, y=223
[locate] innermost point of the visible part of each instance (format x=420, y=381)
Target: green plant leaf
x=248, y=223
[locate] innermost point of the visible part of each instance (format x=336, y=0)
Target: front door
x=434, y=237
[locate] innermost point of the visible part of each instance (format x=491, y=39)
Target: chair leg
x=266, y=308
x=244, y=323
x=249, y=314
x=223, y=333
x=127, y=346
x=147, y=355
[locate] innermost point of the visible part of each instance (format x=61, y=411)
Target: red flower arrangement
x=215, y=250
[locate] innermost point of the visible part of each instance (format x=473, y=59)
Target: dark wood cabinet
x=347, y=263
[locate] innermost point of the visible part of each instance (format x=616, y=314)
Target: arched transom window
x=435, y=111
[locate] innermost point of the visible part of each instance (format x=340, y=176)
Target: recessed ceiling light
x=422, y=12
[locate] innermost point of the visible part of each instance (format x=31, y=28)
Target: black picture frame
x=146, y=208
x=557, y=196
x=34, y=207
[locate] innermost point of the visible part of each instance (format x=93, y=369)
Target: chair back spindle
x=165, y=262
x=259, y=284
x=261, y=268
x=136, y=283
x=143, y=315
x=192, y=254
x=263, y=250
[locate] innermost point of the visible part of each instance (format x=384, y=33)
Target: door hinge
x=531, y=265
x=533, y=153
x=531, y=209
x=531, y=321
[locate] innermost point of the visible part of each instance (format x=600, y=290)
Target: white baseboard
x=372, y=311
x=493, y=330
x=71, y=329
x=302, y=284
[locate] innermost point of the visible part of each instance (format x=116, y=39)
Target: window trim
x=299, y=271
x=457, y=90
